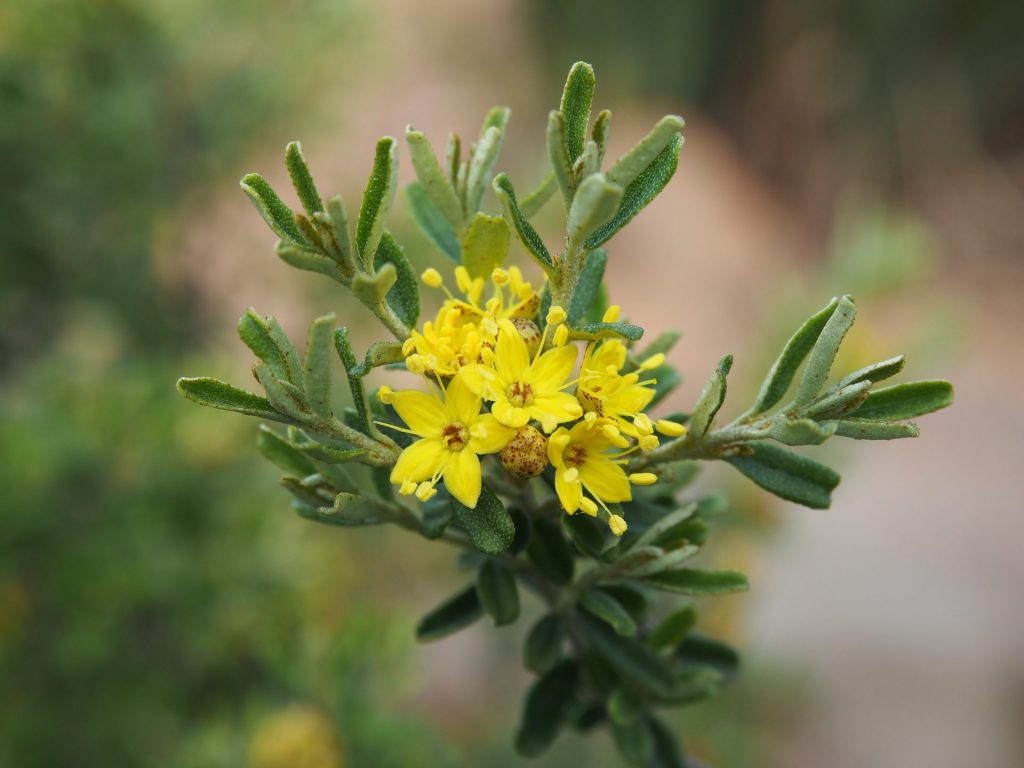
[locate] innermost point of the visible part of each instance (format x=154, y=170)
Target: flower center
x=455, y=436
x=574, y=456
x=520, y=394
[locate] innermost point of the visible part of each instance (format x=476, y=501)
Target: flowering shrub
x=529, y=434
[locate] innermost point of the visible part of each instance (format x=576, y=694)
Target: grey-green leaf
x=437, y=186
x=279, y=217
x=316, y=366
x=874, y=373
x=550, y=553
x=905, y=401
x=634, y=660
x=633, y=163
x=595, y=202
x=695, y=581
x=543, y=648
x=309, y=261
x=801, y=431
x=517, y=222
x=404, y=295
x=302, y=180
x=218, y=394
x=485, y=245
x=457, y=612
x=876, y=430
x=783, y=371
x=545, y=709
x=711, y=399
x=788, y=475
x=634, y=742
x=577, y=97
x=594, y=331
x=640, y=192
x=535, y=200
x=430, y=220
x=604, y=606
x=377, y=199
x=674, y=628
x=588, y=285
x=488, y=525
x=481, y=167
x=499, y=596
x=819, y=362
x=560, y=163
x=282, y=453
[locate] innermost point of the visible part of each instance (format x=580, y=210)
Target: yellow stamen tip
x=653, y=361
x=571, y=475
x=617, y=524
x=643, y=478
x=588, y=506
x=670, y=428
x=432, y=278
x=561, y=335
x=425, y=492
x=648, y=442
x=386, y=395
x=556, y=315
x=612, y=313
x=408, y=487
x=500, y=277
x=416, y=364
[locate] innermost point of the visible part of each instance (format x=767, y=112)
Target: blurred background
x=161, y=605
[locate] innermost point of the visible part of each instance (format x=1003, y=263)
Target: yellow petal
x=560, y=406
x=421, y=412
x=570, y=494
x=605, y=480
x=462, y=477
x=488, y=435
x=553, y=369
x=556, y=446
x=420, y=461
x=462, y=404
x=511, y=356
x=509, y=415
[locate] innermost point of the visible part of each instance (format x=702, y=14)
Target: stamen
x=617, y=524
x=643, y=478
x=670, y=428
x=432, y=278
x=588, y=506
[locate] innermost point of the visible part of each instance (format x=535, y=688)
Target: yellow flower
x=523, y=389
x=453, y=434
x=464, y=327
x=582, y=462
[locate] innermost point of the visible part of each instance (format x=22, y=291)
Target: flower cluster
x=499, y=385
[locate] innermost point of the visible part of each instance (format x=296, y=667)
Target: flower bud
x=530, y=333
x=526, y=454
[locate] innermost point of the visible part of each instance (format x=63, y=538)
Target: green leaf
x=639, y=158
x=481, y=167
x=339, y=221
x=875, y=372
x=640, y=192
x=549, y=551
x=535, y=200
x=634, y=742
x=801, y=431
x=648, y=566
x=488, y=525
x=269, y=342
x=674, y=628
x=404, y=296
x=632, y=659
x=591, y=537
x=455, y=613
x=284, y=396
x=453, y=158
x=695, y=581
x=377, y=199
x=588, y=286
x=316, y=366
x=432, y=222
x=604, y=606
x=594, y=331
x=788, y=475
x=625, y=707
x=700, y=651
x=711, y=399
x=783, y=371
x=486, y=245
x=309, y=261
x=905, y=401
x=662, y=343
x=660, y=532
x=819, y=362
x=560, y=163
x=349, y=510
x=377, y=354
x=595, y=202
x=372, y=288
x=217, y=394
x=496, y=588
x=667, y=751
x=543, y=648
x=876, y=430
x=282, y=454
x=279, y=217
x=433, y=181
x=517, y=222
x=348, y=362
x=839, y=401
x=302, y=180
x=545, y=709
x=577, y=97
x=602, y=130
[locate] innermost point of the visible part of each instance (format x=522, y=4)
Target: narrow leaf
x=694, y=581
x=499, y=596
x=588, y=286
x=543, y=648
x=601, y=132
x=486, y=245
x=632, y=659
x=316, y=367
x=636, y=161
x=281, y=453
x=302, y=180
x=634, y=742
x=640, y=192
x=549, y=551
x=517, y=222
x=256, y=333
x=711, y=399
x=283, y=395
x=819, y=362
x=577, y=97
x=217, y=394
x=604, y=606
x=788, y=475
x=339, y=221
x=432, y=223
x=905, y=401
x=481, y=167
x=875, y=372
x=594, y=331
x=535, y=200
x=667, y=751
x=404, y=295
x=654, y=535
x=457, y=612
x=595, y=202
x=782, y=372
x=801, y=431
x=488, y=525
x=377, y=354
x=348, y=361
x=309, y=261
x=560, y=163
x=545, y=709
x=435, y=184
x=348, y=510
x=279, y=217
x=876, y=430
x=377, y=199
x=674, y=628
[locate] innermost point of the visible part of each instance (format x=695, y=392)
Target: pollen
x=455, y=436
x=520, y=394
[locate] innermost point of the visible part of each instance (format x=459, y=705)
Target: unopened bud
x=530, y=333
x=526, y=454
